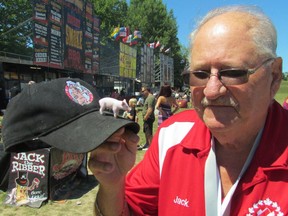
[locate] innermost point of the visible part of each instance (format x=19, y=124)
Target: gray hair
x=263, y=34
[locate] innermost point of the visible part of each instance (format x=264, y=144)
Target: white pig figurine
x=113, y=104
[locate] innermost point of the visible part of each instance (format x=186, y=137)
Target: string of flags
x=123, y=33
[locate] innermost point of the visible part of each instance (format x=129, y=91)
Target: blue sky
x=187, y=12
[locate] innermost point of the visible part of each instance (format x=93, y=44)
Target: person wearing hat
x=229, y=155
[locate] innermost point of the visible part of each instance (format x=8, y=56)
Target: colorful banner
x=35, y=174
x=66, y=35
x=28, y=178
x=41, y=38
x=56, y=44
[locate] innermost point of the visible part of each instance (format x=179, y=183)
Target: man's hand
x=111, y=161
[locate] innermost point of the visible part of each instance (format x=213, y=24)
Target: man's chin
x=220, y=118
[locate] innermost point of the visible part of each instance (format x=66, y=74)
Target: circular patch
x=78, y=93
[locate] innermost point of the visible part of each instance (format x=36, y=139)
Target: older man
x=226, y=157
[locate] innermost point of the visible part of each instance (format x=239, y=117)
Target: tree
x=151, y=18
x=112, y=13
x=157, y=24
x=16, y=27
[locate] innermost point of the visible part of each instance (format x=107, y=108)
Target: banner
x=73, y=47
x=28, y=178
x=88, y=38
x=40, y=30
x=35, y=174
x=127, y=61
x=96, y=45
x=66, y=35
x=55, y=39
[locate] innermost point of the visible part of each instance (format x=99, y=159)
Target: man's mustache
x=221, y=101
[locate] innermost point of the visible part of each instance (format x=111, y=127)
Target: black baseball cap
x=62, y=113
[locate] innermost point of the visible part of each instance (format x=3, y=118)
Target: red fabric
x=180, y=189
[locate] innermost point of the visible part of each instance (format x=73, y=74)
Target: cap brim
x=87, y=132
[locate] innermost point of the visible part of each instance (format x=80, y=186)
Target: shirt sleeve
x=151, y=102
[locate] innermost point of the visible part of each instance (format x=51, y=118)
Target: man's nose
x=214, y=87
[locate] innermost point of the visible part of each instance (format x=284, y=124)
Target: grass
x=283, y=92
x=83, y=205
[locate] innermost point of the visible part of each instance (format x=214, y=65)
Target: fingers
x=98, y=167
x=118, y=151
x=117, y=135
x=131, y=140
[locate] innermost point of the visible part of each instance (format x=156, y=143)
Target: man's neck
x=230, y=161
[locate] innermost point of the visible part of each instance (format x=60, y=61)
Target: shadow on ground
x=85, y=185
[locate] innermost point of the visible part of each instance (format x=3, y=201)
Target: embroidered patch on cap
x=78, y=93
x=265, y=207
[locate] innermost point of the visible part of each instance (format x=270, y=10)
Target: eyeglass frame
x=218, y=74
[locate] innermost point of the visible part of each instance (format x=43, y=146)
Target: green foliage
x=112, y=13
x=282, y=92
x=16, y=26
x=148, y=16
x=151, y=17
x=157, y=24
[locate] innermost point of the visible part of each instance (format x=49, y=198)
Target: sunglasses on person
x=232, y=76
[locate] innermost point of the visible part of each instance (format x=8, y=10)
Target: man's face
x=144, y=92
x=224, y=43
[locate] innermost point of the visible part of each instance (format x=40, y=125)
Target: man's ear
x=276, y=76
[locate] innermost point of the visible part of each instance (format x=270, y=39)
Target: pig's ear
x=124, y=100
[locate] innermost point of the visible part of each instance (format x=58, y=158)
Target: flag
x=151, y=45
x=124, y=32
x=127, y=39
x=134, y=41
x=115, y=34
x=167, y=50
x=137, y=34
x=157, y=44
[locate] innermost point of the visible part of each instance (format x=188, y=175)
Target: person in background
x=148, y=116
x=228, y=155
x=132, y=115
x=122, y=93
x=285, y=103
x=115, y=94
x=166, y=104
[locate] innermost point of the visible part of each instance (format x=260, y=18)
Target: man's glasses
x=232, y=76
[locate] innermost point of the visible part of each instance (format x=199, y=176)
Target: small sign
x=28, y=178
